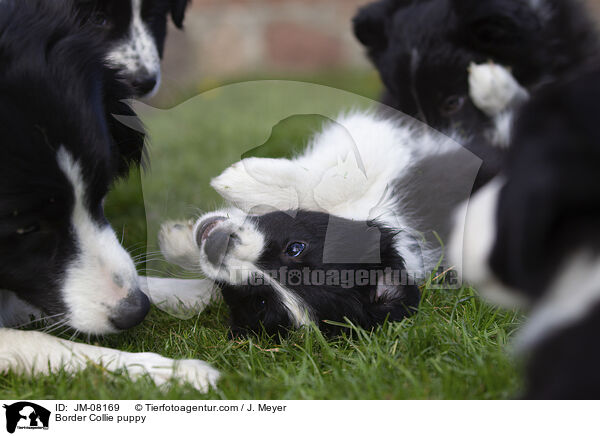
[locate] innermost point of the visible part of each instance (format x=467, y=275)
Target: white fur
x=472, y=241
x=102, y=273
x=573, y=293
x=137, y=54
x=30, y=352
x=495, y=91
x=181, y=298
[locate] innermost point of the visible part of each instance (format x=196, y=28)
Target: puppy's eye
x=28, y=229
x=100, y=19
x=295, y=249
x=452, y=104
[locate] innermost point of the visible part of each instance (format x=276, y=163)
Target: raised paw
x=177, y=244
x=493, y=88
x=261, y=184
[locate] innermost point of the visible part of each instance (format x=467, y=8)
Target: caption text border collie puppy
x=532, y=238
x=423, y=50
x=135, y=32
x=61, y=150
x=344, y=230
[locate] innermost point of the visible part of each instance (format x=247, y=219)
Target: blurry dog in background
x=532, y=237
x=423, y=50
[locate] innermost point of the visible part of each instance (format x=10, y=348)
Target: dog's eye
x=295, y=249
x=28, y=229
x=100, y=19
x=452, y=104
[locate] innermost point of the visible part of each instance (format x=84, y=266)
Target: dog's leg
x=30, y=352
x=262, y=185
x=495, y=91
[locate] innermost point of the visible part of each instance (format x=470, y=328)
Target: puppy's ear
x=370, y=24
x=178, y=8
x=496, y=22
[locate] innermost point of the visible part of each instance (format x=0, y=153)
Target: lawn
x=454, y=348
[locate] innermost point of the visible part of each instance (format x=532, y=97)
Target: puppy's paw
x=177, y=244
x=164, y=371
x=260, y=184
x=493, y=88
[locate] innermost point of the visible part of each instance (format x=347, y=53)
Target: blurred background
x=229, y=40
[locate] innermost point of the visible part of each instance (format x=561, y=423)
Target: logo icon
x=26, y=415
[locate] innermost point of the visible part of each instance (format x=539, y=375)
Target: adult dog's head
x=135, y=32
x=62, y=148
x=423, y=48
x=282, y=270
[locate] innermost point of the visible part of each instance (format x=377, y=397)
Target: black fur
x=351, y=246
x=422, y=50
x=55, y=91
x=548, y=212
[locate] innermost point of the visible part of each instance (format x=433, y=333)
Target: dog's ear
x=370, y=24
x=178, y=8
x=497, y=22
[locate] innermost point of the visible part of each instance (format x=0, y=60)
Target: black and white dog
x=423, y=50
x=345, y=230
x=135, y=31
x=532, y=237
x=62, y=148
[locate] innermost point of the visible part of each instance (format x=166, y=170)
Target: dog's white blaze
x=298, y=311
x=102, y=272
x=137, y=54
x=571, y=296
x=472, y=241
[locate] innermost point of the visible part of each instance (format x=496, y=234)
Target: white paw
x=181, y=298
x=177, y=244
x=261, y=184
x=164, y=371
x=493, y=88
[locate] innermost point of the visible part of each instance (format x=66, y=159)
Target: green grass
x=454, y=348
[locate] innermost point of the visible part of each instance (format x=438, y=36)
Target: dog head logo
x=25, y=415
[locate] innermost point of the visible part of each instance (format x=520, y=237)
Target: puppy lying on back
x=423, y=50
x=532, y=238
x=345, y=230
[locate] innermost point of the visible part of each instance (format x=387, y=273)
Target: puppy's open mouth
x=207, y=227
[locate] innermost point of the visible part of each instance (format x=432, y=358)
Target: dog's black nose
x=144, y=85
x=213, y=238
x=131, y=310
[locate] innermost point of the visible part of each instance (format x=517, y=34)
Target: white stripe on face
x=102, y=273
x=137, y=54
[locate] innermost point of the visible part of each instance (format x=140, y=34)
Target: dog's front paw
x=493, y=88
x=177, y=244
x=164, y=371
x=261, y=184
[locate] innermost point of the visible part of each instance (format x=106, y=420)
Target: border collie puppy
x=532, y=238
x=423, y=50
x=135, y=32
x=62, y=148
x=345, y=230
